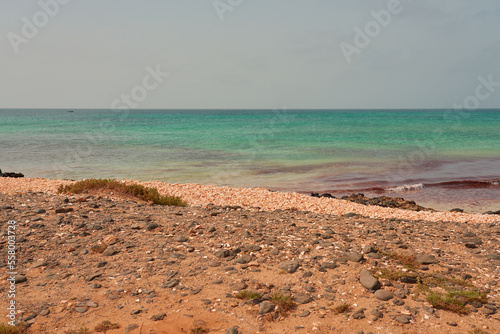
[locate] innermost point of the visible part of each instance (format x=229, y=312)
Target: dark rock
x=151, y=226
x=239, y=286
x=181, y=238
x=20, y=279
x=384, y=295
x=354, y=257
x=404, y=319
x=265, y=307
x=377, y=313
x=11, y=174
x=110, y=251
x=170, y=283
x=426, y=259
x=232, y=330
x=368, y=281
x=493, y=256
x=289, y=266
x=157, y=317
x=64, y=210
x=359, y=314
x=408, y=280
x=304, y=313
x=302, y=298
x=130, y=328
x=456, y=210
x=244, y=259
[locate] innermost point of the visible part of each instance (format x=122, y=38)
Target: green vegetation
x=342, y=308
x=457, y=292
x=134, y=190
x=6, y=329
x=455, y=301
x=245, y=294
x=105, y=326
x=446, y=302
x=284, y=303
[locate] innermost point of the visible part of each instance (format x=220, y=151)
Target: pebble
x=404, y=319
x=265, y=307
x=289, y=266
x=384, y=295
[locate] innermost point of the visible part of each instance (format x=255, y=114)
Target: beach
x=244, y=260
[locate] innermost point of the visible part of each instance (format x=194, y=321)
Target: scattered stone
x=110, y=251
x=239, y=286
x=20, y=279
x=354, y=257
x=266, y=307
x=302, y=298
x=384, y=295
x=158, y=317
x=368, y=281
x=289, y=266
x=493, y=256
x=64, y=210
x=181, y=238
x=304, y=313
x=426, y=259
x=359, y=314
x=232, y=330
x=130, y=328
x=404, y=319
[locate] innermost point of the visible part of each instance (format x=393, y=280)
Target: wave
x=407, y=187
x=417, y=186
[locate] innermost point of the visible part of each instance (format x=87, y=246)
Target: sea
x=442, y=159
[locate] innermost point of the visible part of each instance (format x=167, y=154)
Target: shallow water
x=341, y=151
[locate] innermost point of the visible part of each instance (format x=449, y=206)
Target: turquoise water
x=299, y=150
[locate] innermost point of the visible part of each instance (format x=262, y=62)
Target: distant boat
x=70, y=110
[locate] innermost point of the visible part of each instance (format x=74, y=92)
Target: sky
x=250, y=54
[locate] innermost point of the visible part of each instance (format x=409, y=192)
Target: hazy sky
x=249, y=53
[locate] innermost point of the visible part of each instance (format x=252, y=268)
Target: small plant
x=446, y=302
x=477, y=331
x=105, y=326
x=135, y=190
x=342, y=308
x=81, y=330
x=284, y=303
x=199, y=330
x=6, y=329
x=409, y=261
x=99, y=248
x=245, y=294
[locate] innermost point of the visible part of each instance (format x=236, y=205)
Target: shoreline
x=265, y=200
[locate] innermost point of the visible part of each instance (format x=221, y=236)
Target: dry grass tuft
x=245, y=294
x=342, y=308
x=135, y=190
x=284, y=303
x=6, y=329
x=105, y=326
